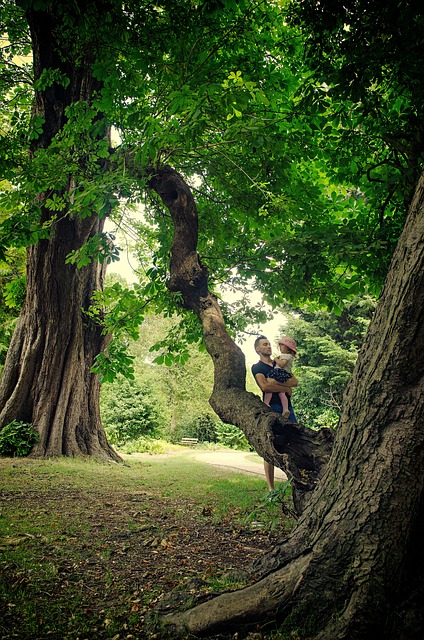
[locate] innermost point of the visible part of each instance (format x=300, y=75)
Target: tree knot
x=205, y=303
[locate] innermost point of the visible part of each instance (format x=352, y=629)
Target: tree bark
x=353, y=567
x=47, y=379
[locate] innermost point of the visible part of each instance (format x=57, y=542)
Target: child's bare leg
x=284, y=404
x=267, y=398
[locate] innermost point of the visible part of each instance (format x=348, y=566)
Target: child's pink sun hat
x=288, y=342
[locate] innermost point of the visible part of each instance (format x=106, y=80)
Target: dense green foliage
x=128, y=412
x=230, y=436
x=12, y=295
x=365, y=85
x=17, y=439
x=286, y=173
x=328, y=348
x=170, y=402
x=203, y=427
x=348, y=328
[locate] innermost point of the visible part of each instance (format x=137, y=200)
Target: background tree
x=179, y=391
x=180, y=401
x=129, y=412
x=328, y=347
x=323, y=371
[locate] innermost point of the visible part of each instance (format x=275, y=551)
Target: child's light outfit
x=281, y=374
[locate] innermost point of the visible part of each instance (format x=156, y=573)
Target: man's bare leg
x=269, y=475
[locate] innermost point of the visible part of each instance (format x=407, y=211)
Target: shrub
x=147, y=445
x=203, y=427
x=17, y=439
x=326, y=418
x=230, y=436
x=128, y=411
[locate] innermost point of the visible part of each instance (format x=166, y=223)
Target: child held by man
x=282, y=370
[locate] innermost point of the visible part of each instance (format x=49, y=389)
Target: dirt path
x=244, y=461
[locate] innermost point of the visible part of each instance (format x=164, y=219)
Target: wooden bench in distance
x=189, y=442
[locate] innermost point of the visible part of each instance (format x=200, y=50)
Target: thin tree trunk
x=353, y=566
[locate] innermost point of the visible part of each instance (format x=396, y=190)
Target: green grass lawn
x=88, y=549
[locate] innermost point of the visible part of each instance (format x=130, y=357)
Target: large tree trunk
x=47, y=379
x=353, y=567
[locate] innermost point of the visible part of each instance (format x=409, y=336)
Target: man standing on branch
x=260, y=372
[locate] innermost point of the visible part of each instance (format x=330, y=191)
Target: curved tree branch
x=300, y=452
